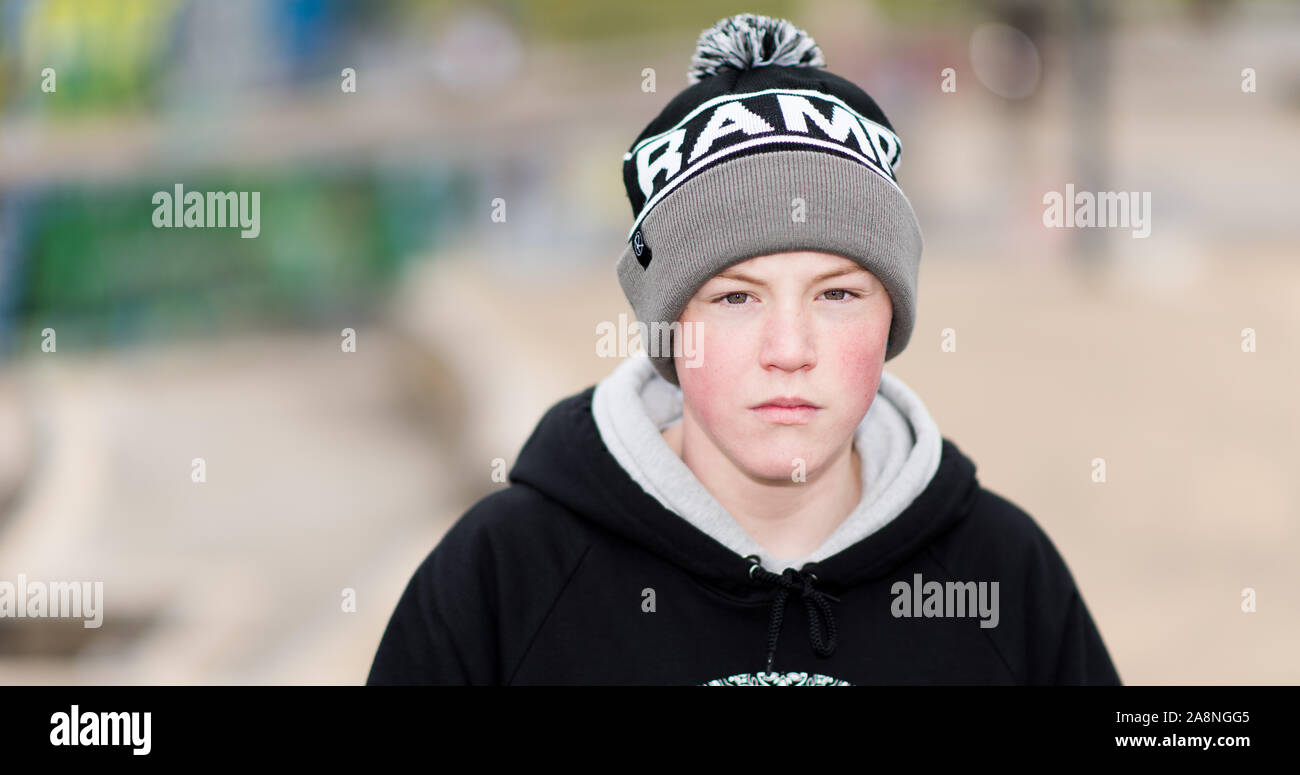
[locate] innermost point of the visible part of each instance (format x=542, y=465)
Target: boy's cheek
x=859, y=366
x=859, y=357
x=709, y=385
x=704, y=362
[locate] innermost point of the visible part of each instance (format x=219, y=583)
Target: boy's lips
x=786, y=411
x=786, y=402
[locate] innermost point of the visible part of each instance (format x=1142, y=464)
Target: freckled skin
x=785, y=337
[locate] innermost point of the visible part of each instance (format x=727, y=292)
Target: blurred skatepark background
x=329, y=473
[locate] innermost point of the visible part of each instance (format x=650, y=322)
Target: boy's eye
x=735, y=298
x=841, y=291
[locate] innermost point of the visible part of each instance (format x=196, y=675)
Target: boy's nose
x=788, y=341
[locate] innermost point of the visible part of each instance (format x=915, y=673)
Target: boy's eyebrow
x=731, y=274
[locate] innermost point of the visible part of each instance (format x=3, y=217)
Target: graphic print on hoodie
x=605, y=561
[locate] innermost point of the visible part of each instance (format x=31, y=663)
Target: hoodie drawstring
x=814, y=601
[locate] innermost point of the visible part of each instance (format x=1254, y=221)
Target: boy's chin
x=794, y=467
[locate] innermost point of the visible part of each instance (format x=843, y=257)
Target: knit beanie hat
x=765, y=152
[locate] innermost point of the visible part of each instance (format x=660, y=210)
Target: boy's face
x=803, y=324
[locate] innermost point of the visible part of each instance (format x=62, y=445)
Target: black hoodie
x=574, y=574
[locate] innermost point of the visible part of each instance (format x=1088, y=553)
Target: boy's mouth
x=786, y=411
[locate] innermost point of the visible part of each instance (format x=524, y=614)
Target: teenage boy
x=756, y=472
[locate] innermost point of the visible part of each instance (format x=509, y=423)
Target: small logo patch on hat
x=641, y=249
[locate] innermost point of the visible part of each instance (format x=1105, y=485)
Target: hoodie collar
x=899, y=444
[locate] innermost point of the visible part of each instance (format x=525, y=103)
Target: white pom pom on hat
x=747, y=41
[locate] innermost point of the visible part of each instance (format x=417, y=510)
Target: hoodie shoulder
x=473, y=606
x=1045, y=632
x=521, y=522
x=998, y=534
